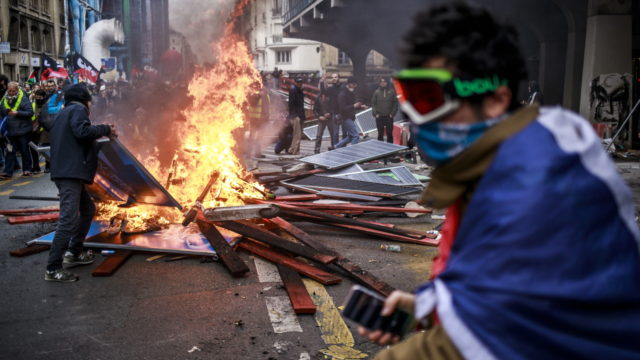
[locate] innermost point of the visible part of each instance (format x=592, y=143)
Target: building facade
x=31, y=28
x=262, y=26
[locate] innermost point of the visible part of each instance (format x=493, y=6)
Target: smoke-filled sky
x=201, y=22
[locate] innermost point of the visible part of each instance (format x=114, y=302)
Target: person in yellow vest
x=39, y=100
x=16, y=112
x=258, y=113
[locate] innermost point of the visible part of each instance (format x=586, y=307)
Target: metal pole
x=623, y=124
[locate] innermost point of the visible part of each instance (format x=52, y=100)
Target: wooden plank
x=300, y=299
x=314, y=214
x=301, y=197
x=385, y=235
x=236, y=266
x=29, y=250
x=13, y=220
x=276, y=257
x=390, y=209
x=253, y=231
x=112, y=263
x=28, y=211
x=355, y=272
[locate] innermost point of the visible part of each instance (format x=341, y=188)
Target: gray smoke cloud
x=201, y=22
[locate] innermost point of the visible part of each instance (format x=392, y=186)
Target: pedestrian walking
x=321, y=109
x=332, y=89
x=384, y=105
x=523, y=187
x=17, y=111
x=74, y=161
x=348, y=107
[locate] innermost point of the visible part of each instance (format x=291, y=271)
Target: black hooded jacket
x=74, y=150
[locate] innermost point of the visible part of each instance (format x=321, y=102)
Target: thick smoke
x=201, y=22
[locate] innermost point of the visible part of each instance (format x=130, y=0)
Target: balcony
x=276, y=39
x=295, y=9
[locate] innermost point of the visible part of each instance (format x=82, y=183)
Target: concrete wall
x=607, y=50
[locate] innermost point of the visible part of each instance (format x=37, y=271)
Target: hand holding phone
x=365, y=308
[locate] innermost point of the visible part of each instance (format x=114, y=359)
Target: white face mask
x=352, y=89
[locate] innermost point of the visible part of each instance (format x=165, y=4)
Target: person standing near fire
x=384, y=106
x=348, y=107
x=296, y=115
x=74, y=161
x=540, y=251
x=17, y=111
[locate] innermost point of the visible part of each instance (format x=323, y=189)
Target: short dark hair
x=470, y=39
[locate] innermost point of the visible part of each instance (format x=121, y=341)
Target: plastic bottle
x=392, y=248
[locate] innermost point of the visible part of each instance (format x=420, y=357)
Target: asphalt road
x=182, y=309
x=187, y=309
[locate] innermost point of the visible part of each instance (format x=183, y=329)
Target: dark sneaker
x=85, y=258
x=60, y=275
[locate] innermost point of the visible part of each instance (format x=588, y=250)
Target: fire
x=208, y=137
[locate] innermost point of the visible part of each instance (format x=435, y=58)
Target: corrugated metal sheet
x=354, y=186
x=353, y=154
x=398, y=175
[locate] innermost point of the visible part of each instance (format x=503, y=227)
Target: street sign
x=5, y=48
x=35, y=61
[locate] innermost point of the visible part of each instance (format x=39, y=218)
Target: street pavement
x=188, y=309
x=182, y=309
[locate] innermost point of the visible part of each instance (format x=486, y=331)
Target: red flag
x=49, y=73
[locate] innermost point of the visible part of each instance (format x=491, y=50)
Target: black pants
x=76, y=212
x=385, y=123
x=20, y=144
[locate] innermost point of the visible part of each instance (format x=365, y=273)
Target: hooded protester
x=16, y=110
x=74, y=161
x=539, y=256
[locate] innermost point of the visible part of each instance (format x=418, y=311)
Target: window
x=343, y=58
x=47, y=34
x=46, y=7
x=276, y=10
x=34, y=4
x=36, y=43
x=14, y=31
x=61, y=12
x=283, y=57
x=24, y=35
x=62, y=43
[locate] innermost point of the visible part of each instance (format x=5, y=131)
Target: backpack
x=51, y=109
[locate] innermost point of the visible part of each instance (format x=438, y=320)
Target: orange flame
x=207, y=137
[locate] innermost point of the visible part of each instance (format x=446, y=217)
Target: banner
x=51, y=69
x=83, y=68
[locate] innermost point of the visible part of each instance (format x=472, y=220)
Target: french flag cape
x=546, y=260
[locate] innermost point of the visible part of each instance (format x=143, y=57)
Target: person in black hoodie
x=348, y=107
x=74, y=161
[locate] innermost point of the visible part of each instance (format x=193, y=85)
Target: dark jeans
x=19, y=143
x=349, y=127
x=35, y=157
x=331, y=126
x=76, y=212
x=385, y=123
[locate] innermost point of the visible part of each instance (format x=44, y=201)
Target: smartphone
x=363, y=307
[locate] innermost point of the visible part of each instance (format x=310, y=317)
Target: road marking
x=283, y=318
x=5, y=193
x=267, y=272
x=335, y=332
x=23, y=183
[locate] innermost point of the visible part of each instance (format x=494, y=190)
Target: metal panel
x=398, y=175
x=366, y=123
x=353, y=154
x=311, y=132
x=174, y=239
x=122, y=178
x=353, y=186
